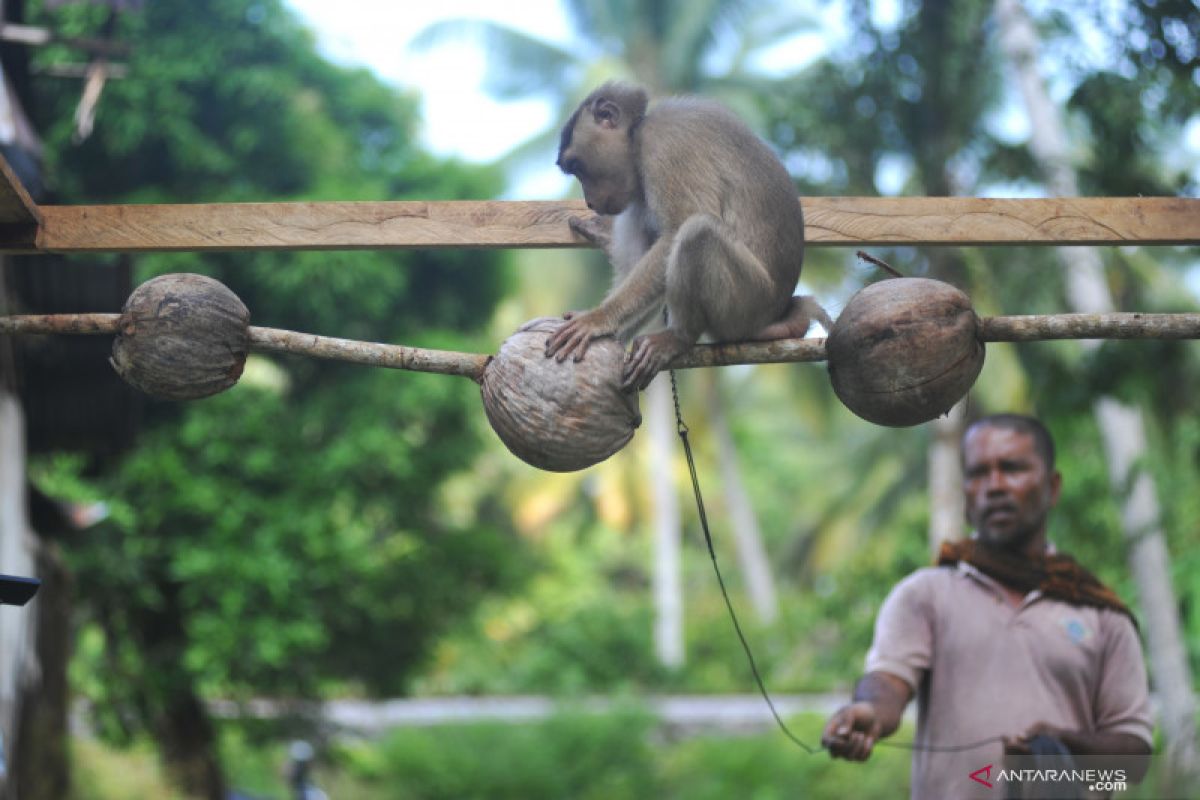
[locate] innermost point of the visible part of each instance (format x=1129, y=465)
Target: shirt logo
x=1077, y=632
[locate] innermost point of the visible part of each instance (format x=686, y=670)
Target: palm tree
x=667, y=46
x=1121, y=425
x=906, y=104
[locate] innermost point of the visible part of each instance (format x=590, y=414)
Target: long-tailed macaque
x=706, y=220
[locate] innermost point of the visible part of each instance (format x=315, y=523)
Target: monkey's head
x=597, y=146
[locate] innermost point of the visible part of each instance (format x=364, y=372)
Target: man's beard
x=1013, y=540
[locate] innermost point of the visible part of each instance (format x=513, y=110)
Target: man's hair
x=1043, y=442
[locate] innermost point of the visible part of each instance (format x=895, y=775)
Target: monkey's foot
x=649, y=355
x=794, y=324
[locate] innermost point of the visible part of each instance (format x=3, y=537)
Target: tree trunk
x=184, y=733
x=747, y=535
x=947, y=505
x=1121, y=426
x=668, y=582
x=18, y=662
x=187, y=742
x=42, y=769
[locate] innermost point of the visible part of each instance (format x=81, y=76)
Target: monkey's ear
x=606, y=113
x=637, y=103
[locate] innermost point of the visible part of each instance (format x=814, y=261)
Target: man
x=1005, y=638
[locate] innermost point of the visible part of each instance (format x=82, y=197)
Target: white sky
x=460, y=120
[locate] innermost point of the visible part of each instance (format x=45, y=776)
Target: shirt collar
x=992, y=585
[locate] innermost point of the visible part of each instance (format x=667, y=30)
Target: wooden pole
x=275, y=340
x=372, y=354
x=1090, y=326
x=1127, y=325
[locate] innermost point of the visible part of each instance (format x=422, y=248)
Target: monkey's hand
x=597, y=230
x=649, y=355
x=574, y=337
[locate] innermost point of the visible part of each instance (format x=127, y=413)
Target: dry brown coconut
x=182, y=337
x=904, y=351
x=557, y=416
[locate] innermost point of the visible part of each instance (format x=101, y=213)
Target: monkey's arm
x=630, y=300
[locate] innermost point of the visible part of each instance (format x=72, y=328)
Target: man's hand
x=852, y=731
x=1082, y=743
x=1019, y=745
x=574, y=337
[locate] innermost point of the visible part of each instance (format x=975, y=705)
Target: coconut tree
x=902, y=108
x=668, y=46
x=1121, y=424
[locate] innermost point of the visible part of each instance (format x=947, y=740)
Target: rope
x=682, y=429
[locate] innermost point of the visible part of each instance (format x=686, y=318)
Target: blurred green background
x=327, y=531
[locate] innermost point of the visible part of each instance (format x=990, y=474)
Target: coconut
x=904, y=351
x=558, y=416
x=182, y=336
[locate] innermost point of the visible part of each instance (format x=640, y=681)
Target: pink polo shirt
x=982, y=667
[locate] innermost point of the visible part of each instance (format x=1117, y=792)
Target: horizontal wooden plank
x=308, y=226
x=984, y=221
x=831, y=221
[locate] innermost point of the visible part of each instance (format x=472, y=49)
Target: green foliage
x=604, y=757
x=99, y=773
x=618, y=754
x=228, y=100
x=570, y=631
x=769, y=767
x=285, y=537
x=615, y=755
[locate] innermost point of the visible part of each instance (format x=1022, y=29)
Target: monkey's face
x=598, y=151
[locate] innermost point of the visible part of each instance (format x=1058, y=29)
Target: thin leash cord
x=682, y=430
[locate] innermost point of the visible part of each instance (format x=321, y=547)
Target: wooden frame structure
x=26, y=227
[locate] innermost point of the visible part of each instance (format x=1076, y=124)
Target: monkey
x=695, y=211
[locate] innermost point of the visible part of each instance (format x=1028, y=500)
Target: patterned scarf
x=1057, y=575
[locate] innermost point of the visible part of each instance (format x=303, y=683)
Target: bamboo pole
x=372, y=354
x=1117, y=325
x=276, y=340
x=1126, y=325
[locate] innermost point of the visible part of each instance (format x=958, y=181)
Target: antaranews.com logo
x=1067, y=777
x=1096, y=780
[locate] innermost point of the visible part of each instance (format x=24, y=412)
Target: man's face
x=1009, y=491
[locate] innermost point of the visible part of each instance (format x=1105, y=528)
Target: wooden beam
x=830, y=221
x=988, y=221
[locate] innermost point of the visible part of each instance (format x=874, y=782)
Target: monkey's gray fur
x=706, y=220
